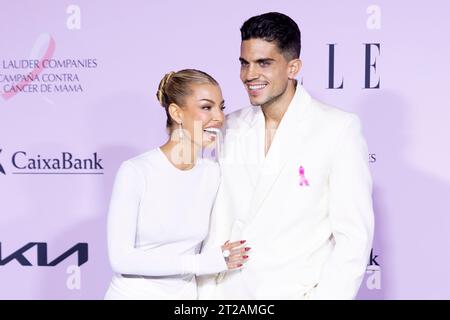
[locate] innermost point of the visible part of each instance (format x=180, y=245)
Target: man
x=295, y=181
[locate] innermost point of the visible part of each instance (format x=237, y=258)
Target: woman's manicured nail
x=240, y=265
x=247, y=249
x=243, y=241
x=245, y=257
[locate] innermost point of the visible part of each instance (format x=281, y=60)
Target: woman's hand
x=235, y=253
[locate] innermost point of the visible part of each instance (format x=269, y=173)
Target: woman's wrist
x=211, y=261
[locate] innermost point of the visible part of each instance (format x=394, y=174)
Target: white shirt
x=158, y=218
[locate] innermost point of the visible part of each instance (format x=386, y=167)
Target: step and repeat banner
x=77, y=97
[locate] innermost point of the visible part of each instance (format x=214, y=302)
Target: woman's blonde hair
x=174, y=87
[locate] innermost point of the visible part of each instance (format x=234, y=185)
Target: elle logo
x=370, y=66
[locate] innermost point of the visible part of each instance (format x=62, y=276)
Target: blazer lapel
x=292, y=130
x=251, y=143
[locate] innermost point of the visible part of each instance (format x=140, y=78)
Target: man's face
x=264, y=71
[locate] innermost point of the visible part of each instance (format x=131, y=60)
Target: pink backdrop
x=95, y=99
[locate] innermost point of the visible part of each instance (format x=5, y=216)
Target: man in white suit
x=295, y=181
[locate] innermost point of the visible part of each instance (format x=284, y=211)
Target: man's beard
x=270, y=100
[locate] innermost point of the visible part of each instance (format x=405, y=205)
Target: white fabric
x=308, y=241
x=158, y=218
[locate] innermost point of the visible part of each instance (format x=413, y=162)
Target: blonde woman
x=162, y=200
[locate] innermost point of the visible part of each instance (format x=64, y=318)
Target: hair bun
x=161, y=88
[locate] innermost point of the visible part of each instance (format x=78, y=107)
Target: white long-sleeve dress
x=157, y=220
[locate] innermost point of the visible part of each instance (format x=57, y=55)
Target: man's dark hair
x=274, y=26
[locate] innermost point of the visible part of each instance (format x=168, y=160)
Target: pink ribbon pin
x=303, y=180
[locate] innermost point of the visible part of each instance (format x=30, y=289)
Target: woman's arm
x=125, y=258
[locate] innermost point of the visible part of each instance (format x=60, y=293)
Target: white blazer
x=305, y=209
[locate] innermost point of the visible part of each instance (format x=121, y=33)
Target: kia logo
x=1, y=168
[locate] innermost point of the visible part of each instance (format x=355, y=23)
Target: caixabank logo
x=32, y=163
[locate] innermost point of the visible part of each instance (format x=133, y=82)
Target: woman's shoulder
x=143, y=161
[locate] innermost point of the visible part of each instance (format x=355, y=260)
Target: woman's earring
x=180, y=131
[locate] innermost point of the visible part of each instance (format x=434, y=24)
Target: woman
x=161, y=201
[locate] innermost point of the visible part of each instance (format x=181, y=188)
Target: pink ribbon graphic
x=48, y=54
x=303, y=180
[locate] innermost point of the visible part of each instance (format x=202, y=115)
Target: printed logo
x=65, y=162
x=38, y=67
x=303, y=180
x=373, y=272
x=2, y=171
x=81, y=249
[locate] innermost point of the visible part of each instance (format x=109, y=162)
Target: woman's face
x=202, y=114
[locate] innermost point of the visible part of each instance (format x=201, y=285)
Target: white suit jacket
x=305, y=209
